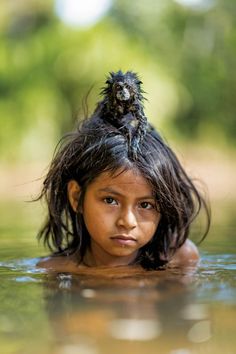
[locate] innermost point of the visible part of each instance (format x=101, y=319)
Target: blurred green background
x=185, y=56
x=53, y=52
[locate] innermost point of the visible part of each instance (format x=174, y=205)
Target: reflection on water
x=176, y=312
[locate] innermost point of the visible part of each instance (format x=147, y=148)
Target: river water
x=179, y=311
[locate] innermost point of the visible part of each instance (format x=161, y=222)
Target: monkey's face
x=123, y=91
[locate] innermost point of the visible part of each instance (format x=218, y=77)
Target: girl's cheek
x=149, y=214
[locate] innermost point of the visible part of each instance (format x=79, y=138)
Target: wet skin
x=121, y=216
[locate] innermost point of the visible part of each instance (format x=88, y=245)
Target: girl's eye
x=146, y=205
x=110, y=200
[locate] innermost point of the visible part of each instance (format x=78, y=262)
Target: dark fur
x=122, y=106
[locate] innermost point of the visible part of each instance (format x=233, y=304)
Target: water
x=176, y=312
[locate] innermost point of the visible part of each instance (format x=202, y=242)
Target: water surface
x=180, y=311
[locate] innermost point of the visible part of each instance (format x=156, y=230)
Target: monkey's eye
x=119, y=85
x=128, y=87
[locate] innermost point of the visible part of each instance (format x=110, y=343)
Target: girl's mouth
x=124, y=240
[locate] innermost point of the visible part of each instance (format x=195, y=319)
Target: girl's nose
x=127, y=219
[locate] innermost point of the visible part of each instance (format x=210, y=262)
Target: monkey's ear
x=73, y=192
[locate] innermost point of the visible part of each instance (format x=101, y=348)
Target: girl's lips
x=124, y=239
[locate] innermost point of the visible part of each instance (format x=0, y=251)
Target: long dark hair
x=98, y=145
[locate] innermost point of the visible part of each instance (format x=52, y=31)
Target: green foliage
x=184, y=56
x=197, y=48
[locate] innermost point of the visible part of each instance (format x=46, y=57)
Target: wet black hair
x=101, y=144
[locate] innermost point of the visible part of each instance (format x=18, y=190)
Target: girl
x=116, y=193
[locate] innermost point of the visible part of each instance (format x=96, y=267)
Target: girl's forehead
x=122, y=177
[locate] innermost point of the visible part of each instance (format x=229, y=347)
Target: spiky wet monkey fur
x=122, y=106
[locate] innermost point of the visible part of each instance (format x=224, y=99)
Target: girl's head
x=119, y=213
x=93, y=176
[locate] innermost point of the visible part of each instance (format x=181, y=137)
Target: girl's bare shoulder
x=187, y=254
x=59, y=263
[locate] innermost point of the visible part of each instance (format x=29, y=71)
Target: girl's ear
x=73, y=191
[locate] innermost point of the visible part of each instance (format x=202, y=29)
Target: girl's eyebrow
x=111, y=190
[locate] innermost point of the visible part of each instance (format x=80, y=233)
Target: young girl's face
x=120, y=215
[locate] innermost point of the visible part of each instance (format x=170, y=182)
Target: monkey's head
x=124, y=88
